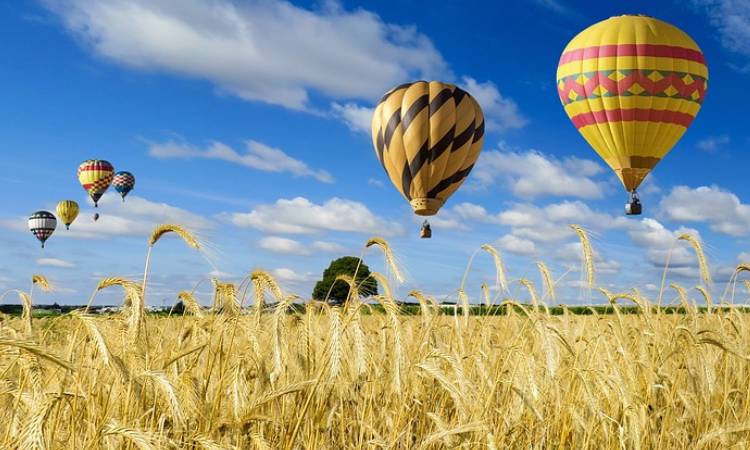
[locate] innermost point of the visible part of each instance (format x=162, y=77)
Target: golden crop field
x=352, y=377
x=335, y=378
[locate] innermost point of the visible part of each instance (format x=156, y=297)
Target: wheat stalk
x=587, y=255
x=191, y=303
x=42, y=282
x=549, y=283
x=27, y=311
x=702, y=262
x=141, y=439
x=502, y=281
x=382, y=244
x=532, y=293
x=706, y=297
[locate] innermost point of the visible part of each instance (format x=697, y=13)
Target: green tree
x=345, y=265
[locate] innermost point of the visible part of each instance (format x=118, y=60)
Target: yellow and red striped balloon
x=632, y=85
x=95, y=176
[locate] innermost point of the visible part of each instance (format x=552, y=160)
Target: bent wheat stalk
x=702, y=262
x=587, y=254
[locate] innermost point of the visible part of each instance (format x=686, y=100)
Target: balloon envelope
x=427, y=136
x=67, y=211
x=123, y=182
x=95, y=175
x=42, y=224
x=632, y=85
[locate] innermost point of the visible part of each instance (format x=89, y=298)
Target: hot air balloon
x=95, y=175
x=123, y=183
x=427, y=136
x=632, y=85
x=67, y=211
x=42, y=224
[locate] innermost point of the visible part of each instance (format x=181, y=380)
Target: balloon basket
x=426, y=231
x=633, y=207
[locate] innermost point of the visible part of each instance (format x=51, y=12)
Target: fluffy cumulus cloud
x=283, y=245
x=722, y=210
x=256, y=156
x=246, y=48
x=356, y=117
x=550, y=223
x=657, y=240
x=293, y=278
x=278, y=244
x=501, y=113
x=301, y=216
x=136, y=217
x=533, y=174
x=516, y=245
x=327, y=247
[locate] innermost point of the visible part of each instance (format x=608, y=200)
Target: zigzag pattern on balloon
x=611, y=83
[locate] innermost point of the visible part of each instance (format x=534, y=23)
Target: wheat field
x=352, y=377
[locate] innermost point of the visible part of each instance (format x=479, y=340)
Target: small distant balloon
x=96, y=217
x=123, y=183
x=42, y=224
x=95, y=175
x=67, y=211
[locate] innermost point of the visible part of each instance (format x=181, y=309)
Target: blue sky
x=247, y=122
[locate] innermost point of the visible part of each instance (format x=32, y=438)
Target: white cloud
x=711, y=144
x=328, y=247
x=375, y=182
x=283, y=245
x=732, y=19
x=273, y=52
x=500, y=113
x=550, y=223
x=356, y=117
x=744, y=257
x=651, y=235
x=301, y=216
x=287, y=276
x=258, y=156
x=458, y=217
x=445, y=220
x=516, y=245
x=722, y=210
x=55, y=262
x=532, y=174
x=135, y=217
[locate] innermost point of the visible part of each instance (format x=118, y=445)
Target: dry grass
x=568, y=381
x=184, y=234
x=340, y=378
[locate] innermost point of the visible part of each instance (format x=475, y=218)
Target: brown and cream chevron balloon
x=427, y=136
